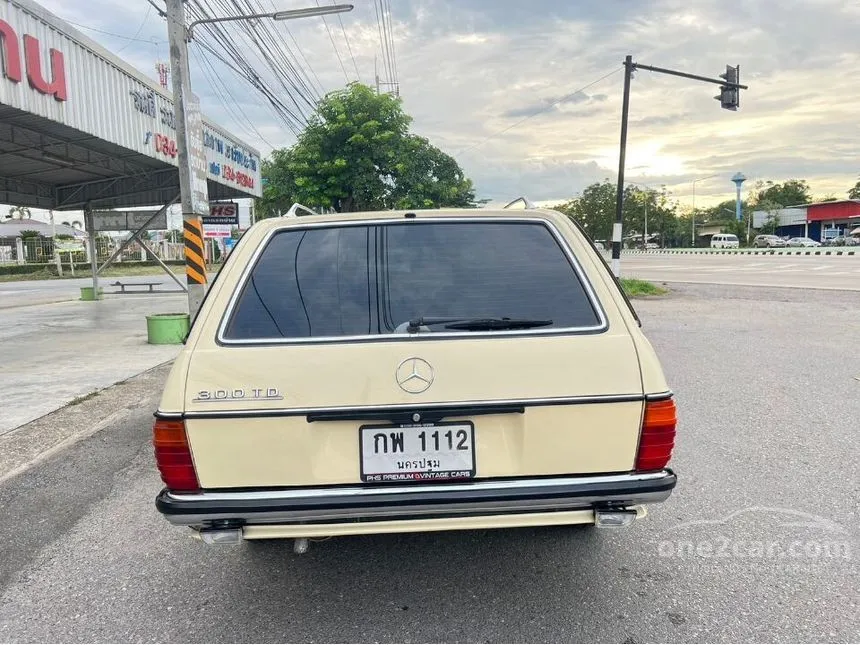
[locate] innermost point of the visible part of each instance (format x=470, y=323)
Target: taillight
x=657, y=438
x=173, y=455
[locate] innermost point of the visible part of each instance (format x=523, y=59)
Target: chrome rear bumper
x=404, y=502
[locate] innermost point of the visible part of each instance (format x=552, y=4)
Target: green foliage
x=27, y=234
x=18, y=212
x=594, y=210
x=854, y=193
x=357, y=154
x=789, y=193
x=636, y=288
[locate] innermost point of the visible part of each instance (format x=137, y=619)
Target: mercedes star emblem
x=414, y=375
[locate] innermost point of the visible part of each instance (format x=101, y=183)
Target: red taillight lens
x=173, y=455
x=658, y=435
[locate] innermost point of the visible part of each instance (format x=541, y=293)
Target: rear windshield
x=368, y=280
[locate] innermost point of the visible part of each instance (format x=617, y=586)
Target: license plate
x=417, y=453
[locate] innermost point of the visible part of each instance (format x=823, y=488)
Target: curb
x=728, y=252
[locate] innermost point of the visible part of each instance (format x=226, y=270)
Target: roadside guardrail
x=795, y=251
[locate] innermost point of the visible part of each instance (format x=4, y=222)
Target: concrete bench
x=126, y=285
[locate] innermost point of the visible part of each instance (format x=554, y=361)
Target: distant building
x=818, y=220
x=11, y=229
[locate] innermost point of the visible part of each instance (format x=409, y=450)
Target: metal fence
x=40, y=250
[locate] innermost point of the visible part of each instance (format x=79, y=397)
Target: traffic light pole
x=727, y=83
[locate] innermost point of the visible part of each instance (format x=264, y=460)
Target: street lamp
x=645, y=206
x=189, y=138
x=291, y=14
x=693, y=231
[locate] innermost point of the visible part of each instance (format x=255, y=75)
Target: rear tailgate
x=565, y=386
x=290, y=413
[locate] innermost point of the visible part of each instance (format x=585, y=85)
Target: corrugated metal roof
x=13, y=228
x=106, y=128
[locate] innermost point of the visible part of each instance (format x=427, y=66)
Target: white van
x=724, y=241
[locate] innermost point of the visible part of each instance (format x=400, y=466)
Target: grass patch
x=636, y=288
x=86, y=397
x=113, y=271
x=39, y=274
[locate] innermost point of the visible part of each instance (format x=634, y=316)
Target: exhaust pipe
x=220, y=536
x=615, y=517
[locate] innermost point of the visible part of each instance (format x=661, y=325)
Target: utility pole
x=729, y=99
x=183, y=103
x=191, y=156
x=619, y=193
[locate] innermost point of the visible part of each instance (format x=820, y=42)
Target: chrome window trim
x=559, y=400
x=412, y=489
x=602, y=326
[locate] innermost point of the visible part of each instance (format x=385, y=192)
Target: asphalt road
x=808, y=272
x=758, y=543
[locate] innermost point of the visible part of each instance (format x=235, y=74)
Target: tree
x=789, y=193
x=772, y=222
x=854, y=193
x=357, y=154
x=18, y=212
x=429, y=178
x=594, y=210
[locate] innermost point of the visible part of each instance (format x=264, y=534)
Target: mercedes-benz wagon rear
x=412, y=371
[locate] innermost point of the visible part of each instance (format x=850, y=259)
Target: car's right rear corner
x=269, y=435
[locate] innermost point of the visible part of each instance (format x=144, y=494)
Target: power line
x=285, y=69
x=339, y=59
x=109, y=33
x=217, y=85
x=348, y=46
x=236, y=60
x=383, y=41
x=279, y=109
x=267, y=49
x=392, y=52
x=137, y=33
x=539, y=111
x=302, y=54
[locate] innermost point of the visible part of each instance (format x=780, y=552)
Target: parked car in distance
x=842, y=240
x=768, y=241
x=401, y=371
x=724, y=241
x=803, y=242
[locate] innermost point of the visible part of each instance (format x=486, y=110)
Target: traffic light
x=730, y=96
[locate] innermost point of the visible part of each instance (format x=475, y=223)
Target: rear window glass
x=366, y=280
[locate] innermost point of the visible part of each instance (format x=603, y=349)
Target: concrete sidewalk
x=52, y=354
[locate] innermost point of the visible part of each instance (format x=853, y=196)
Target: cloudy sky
x=483, y=80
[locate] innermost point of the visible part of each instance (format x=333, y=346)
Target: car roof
x=529, y=213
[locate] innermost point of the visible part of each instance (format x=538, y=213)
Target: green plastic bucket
x=167, y=329
x=88, y=294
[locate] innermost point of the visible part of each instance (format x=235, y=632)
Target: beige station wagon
x=412, y=371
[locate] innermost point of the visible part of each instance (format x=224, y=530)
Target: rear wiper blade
x=489, y=324
x=470, y=324
x=415, y=325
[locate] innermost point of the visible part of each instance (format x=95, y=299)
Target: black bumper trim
x=477, y=496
